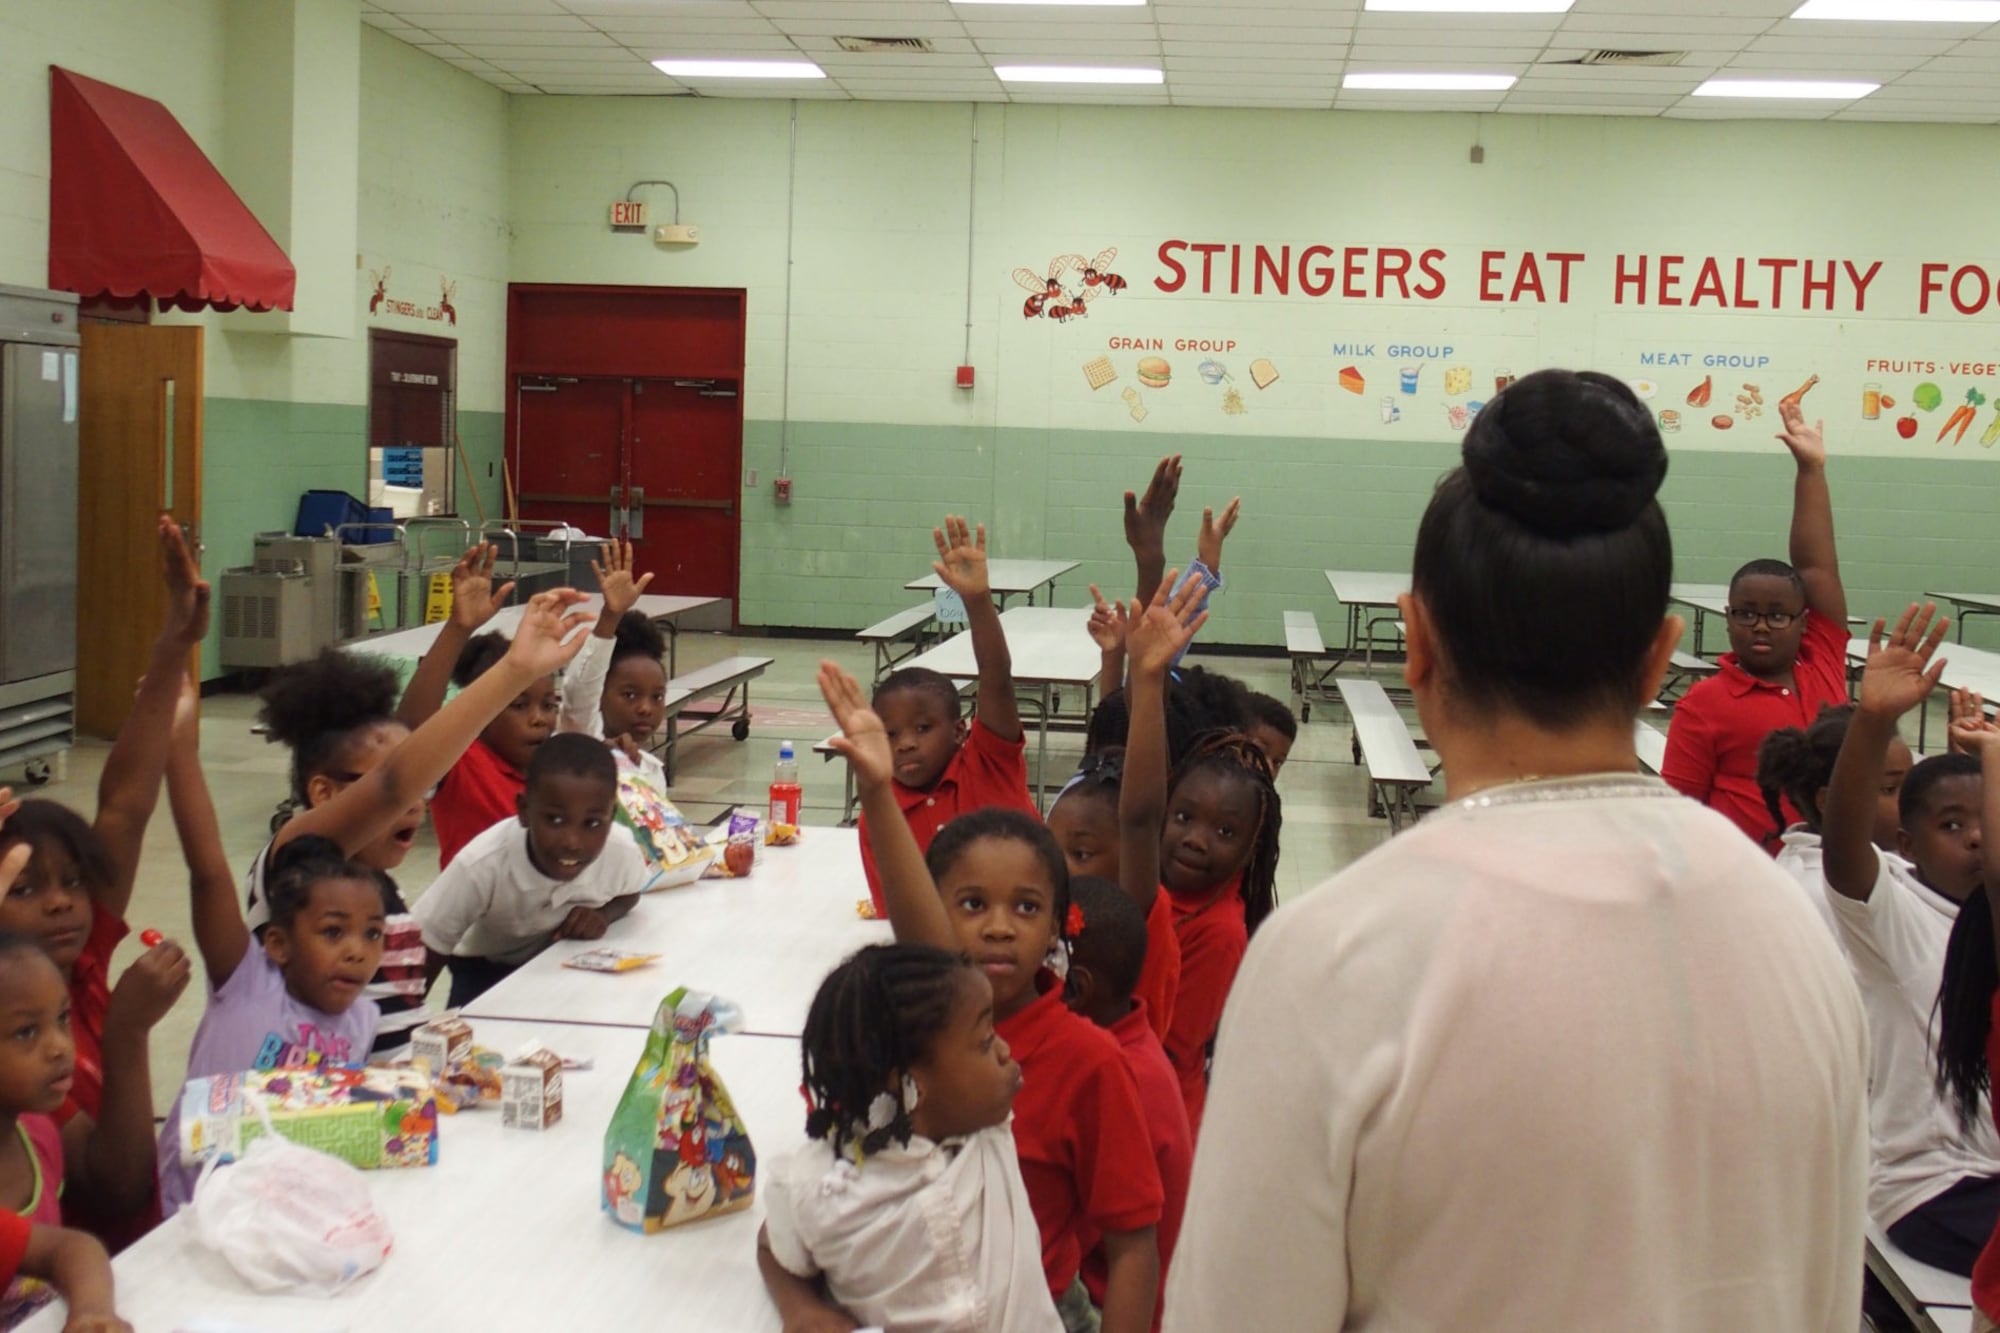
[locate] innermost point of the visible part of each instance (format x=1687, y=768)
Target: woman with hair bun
x=1571, y=1053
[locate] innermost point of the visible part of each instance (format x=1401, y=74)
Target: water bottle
x=786, y=794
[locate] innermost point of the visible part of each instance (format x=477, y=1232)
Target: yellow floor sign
x=437, y=599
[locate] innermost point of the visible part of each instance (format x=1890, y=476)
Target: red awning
x=136, y=209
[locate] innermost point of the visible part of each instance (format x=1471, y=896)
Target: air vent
x=1625, y=58
x=866, y=45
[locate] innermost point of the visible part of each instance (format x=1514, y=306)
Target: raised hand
x=149, y=987
x=187, y=716
x=1901, y=673
x=1208, y=546
x=1807, y=443
x=473, y=599
x=1163, y=628
x=1108, y=622
x=961, y=561
x=1146, y=516
x=863, y=740
x=547, y=638
x=1971, y=730
x=614, y=578
x=187, y=593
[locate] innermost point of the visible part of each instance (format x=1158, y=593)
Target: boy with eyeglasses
x=1788, y=654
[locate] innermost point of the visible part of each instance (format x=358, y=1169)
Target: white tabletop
x=1965, y=667
x=1704, y=596
x=417, y=640
x=1367, y=587
x=1048, y=644
x=1983, y=601
x=765, y=942
x=1007, y=577
x=506, y=1231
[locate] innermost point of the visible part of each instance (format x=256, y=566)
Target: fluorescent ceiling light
x=1469, y=6
x=1430, y=83
x=1805, y=89
x=1902, y=11
x=1077, y=74
x=1130, y=4
x=740, y=69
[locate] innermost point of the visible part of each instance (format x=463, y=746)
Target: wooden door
x=683, y=458
x=139, y=415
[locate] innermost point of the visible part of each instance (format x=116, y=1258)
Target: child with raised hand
x=1794, y=766
x=292, y=1000
x=561, y=869
x=1219, y=864
x=361, y=777
x=1107, y=959
x=37, y=1066
x=70, y=895
x=1934, y=1177
x=1788, y=653
x=908, y=1091
x=943, y=767
x=481, y=788
x=994, y=885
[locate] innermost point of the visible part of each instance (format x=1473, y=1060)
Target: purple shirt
x=253, y=1022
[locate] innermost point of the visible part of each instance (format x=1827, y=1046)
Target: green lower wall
x=866, y=496
x=258, y=456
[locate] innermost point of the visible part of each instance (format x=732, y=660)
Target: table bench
x=1312, y=665
x=1683, y=670
x=724, y=678
x=1651, y=744
x=1934, y=1300
x=889, y=635
x=849, y=798
x=1396, y=771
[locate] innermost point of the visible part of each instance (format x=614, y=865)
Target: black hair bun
x=1566, y=453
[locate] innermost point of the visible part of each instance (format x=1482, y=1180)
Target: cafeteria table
x=1010, y=578
x=764, y=941
x=1705, y=600
x=1976, y=669
x=1965, y=605
x=507, y=1232
x=663, y=610
x=1050, y=647
x=1369, y=594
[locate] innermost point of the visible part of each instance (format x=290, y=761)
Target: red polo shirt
x=984, y=771
x=479, y=792
x=89, y=1001
x=1079, y=1131
x=1168, y=1133
x=1986, y=1269
x=1212, y=938
x=1721, y=722
x=1160, y=978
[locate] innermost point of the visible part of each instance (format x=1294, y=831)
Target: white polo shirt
x=1895, y=944
x=920, y=1238
x=491, y=902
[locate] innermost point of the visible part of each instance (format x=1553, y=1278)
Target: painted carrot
x=1961, y=417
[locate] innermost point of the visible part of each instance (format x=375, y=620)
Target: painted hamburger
x=1154, y=372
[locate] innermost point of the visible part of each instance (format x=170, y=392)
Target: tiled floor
x=1325, y=795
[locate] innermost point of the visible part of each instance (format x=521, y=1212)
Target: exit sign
x=628, y=213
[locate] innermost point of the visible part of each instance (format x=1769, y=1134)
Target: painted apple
x=1906, y=427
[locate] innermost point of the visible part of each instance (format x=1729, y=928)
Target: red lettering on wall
x=1280, y=270
x=1392, y=263
x=1353, y=268
x=1315, y=280
x=1428, y=262
x=1167, y=251
x=1708, y=283
x=1635, y=279
x=1489, y=274
x=1670, y=278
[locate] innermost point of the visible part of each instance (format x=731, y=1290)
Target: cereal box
x=676, y=1150
x=531, y=1090
x=370, y=1118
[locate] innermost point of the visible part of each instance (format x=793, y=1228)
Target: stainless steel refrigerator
x=38, y=527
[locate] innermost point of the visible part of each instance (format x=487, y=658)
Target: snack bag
x=676, y=1150
x=671, y=847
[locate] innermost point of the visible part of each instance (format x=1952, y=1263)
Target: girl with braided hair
x=909, y=1091
x=1219, y=863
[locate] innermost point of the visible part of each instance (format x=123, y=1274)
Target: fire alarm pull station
x=781, y=490
x=965, y=377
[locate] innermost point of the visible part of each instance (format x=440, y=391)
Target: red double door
x=626, y=416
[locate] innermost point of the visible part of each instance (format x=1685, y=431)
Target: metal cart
x=411, y=555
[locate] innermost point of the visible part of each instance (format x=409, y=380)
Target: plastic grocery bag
x=289, y=1218
x=676, y=1150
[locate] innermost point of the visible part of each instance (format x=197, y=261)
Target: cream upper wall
x=432, y=196
x=880, y=255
